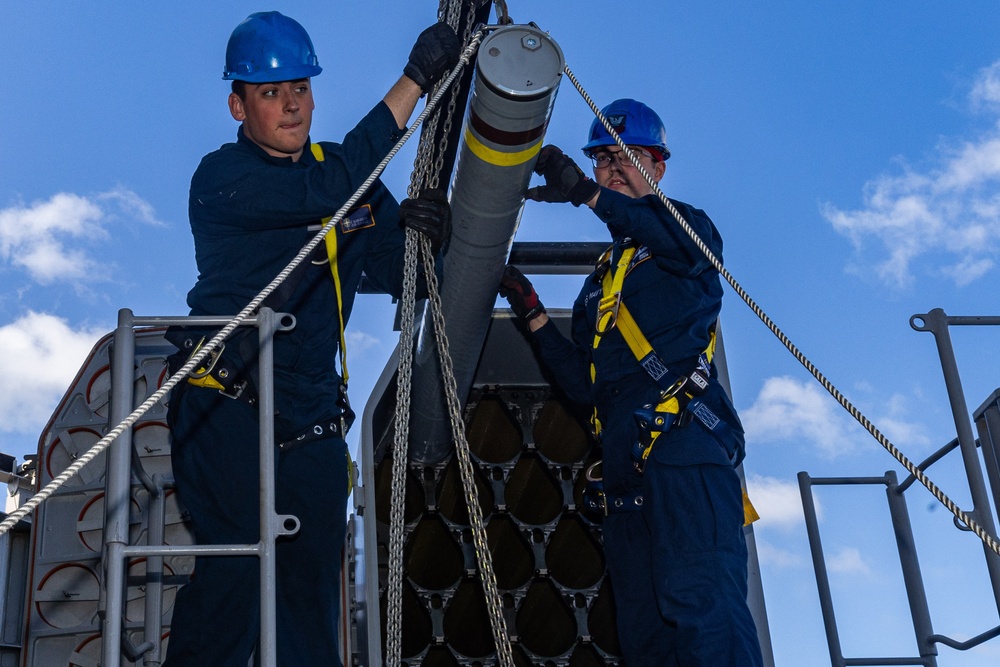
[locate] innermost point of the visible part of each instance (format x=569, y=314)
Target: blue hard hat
x=268, y=47
x=634, y=122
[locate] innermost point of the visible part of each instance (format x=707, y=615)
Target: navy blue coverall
x=249, y=214
x=678, y=560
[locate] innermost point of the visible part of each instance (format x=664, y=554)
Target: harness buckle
x=213, y=359
x=652, y=422
x=236, y=391
x=607, y=313
x=595, y=503
x=674, y=389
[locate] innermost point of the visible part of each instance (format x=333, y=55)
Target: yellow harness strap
x=331, y=252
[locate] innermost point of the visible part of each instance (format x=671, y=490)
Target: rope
x=196, y=360
x=988, y=539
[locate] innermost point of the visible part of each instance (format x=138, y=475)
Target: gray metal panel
x=62, y=597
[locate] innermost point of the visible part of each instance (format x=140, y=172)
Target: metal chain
x=987, y=539
x=420, y=177
x=394, y=592
x=494, y=602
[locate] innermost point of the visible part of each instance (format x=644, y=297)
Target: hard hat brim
x=275, y=75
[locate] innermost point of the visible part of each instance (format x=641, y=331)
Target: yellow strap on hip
x=749, y=512
x=331, y=252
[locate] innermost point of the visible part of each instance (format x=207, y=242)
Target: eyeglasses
x=602, y=159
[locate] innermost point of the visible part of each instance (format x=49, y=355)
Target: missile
x=518, y=72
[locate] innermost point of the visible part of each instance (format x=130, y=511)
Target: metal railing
x=987, y=419
x=117, y=550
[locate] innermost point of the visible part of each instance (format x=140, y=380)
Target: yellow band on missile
x=500, y=158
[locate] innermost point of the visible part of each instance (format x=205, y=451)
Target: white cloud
x=792, y=411
x=949, y=216
x=772, y=556
x=52, y=239
x=787, y=410
x=897, y=429
x=778, y=502
x=986, y=90
x=42, y=355
x=359, y=341
x=132, y=205
x=847, y=561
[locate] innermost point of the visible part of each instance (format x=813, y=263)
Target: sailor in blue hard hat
x=643, y=339
x=254, y=203
x=270, y=48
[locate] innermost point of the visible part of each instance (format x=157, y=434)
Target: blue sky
x=849, y=152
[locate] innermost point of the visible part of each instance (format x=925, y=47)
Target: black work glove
x=434, y=53
x=430, y=214
x=564, y=181
x=520, y=294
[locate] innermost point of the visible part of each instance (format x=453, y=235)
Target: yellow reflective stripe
x=671, y=405
x=710, y=350
x=609, y=285
x=611, y=288
x=500, y=158
x=331, y=252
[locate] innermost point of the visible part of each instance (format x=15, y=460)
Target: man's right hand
x=564, y=181
x=520, y=294
x=435, y=52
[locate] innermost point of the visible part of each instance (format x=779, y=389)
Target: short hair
x=240, y=88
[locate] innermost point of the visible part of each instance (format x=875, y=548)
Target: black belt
x=615, y=503
x=333, y=428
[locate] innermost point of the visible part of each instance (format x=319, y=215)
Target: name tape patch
x=359, y=218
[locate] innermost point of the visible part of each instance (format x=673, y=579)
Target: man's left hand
x=435, y=52
x=430, y=214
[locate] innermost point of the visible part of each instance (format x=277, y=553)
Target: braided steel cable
x=918, y=474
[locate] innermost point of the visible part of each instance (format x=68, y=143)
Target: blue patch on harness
x=359, y=218
x=704, y=415
x=654, y=366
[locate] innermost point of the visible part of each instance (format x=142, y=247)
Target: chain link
x=394, y=597
x=494, y=602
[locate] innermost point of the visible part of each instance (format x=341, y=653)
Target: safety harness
x=231, y=381
x=678, y=393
